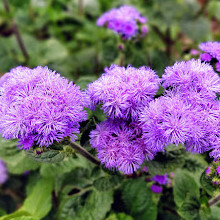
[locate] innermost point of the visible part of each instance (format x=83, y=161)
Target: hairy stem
x=16, y=32
x=84, y=153
x=214, y=200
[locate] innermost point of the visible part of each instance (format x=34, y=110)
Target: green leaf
x=207, y=184
x=39, y=202
x=189, y=209
x=83, y=81
x=184, y=184
x=201, y=28
x=49, y=156
x=94, y=207
x=66, y=165
x=138, y=200
x=195, y=164
x=107, y=182
x=215, y=213
x=16, y=160
x=18, y=215
x=167, y=162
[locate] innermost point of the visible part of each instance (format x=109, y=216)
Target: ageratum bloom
x=175, y=120
x=166, y=120
x=161, y=179
x=192, y=75
x=122, y=92
x=124, y=21
x=212, y=49
x=119, y=145
x=38, y=106
x=156, y=189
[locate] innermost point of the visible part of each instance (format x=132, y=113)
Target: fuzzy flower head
x=175, y=120
x=192, y=75
x=156, y=189
x=119, y=145
x=161, y=179
x=218, y=170
x=212, y=49
x=38, y=106
x=164, y=121
x=122, y=92
x=124, y=20
x=3, y=172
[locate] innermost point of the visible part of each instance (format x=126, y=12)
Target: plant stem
x=214, y=200
x=16, y=32
x=83, y=152
x=80, y=7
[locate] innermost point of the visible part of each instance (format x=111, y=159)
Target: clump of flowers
x=122, y=92
x=119, y=145
x=188, y=113
x=38, y=106
x=3, y=172
x=125, y=20
x=159, y=181
x=212, y=52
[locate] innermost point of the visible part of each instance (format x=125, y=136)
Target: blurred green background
x=63, y=35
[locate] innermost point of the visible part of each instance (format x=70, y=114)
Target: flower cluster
x=38, y=106
x=122, y=92
x=124, y=21
x=188, y=113
x=119, y=145
x=212, y=51
x=158, y=181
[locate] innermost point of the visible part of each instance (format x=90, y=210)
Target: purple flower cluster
x=122, y=92
x=161, y=180
x=212, y=51
x=3, y=172
x=119, y=145
x=124, y=21
x=38, y=106
x=188, y=113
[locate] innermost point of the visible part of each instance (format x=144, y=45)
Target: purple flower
x=174, y=119
x=119, y=145
x=208, y=171
x=212, y=48
x=123, y=20
x=218, y=170
x=122, y=92
x=192, y=74
x=164, y=121
x=3, y=172
x=161, y=179
x=218, y=66
x=205, y=57
x=156, y=189
x=38, y=106
x=194, y=52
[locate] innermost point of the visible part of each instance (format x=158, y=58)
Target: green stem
x=214, y=200
x=83, y=152
x=16, y=32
